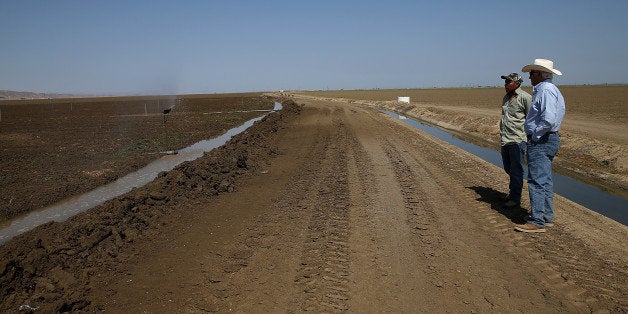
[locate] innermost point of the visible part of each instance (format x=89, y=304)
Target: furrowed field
x=55, y=148
x=326, y=205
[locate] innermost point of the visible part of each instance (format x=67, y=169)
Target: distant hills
x=10, y=94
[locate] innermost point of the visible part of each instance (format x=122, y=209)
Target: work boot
x=529, y=228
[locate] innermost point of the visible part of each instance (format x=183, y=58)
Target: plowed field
x=52, y=149
x=323, y=206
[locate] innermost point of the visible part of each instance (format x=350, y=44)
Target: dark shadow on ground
x=496, y=199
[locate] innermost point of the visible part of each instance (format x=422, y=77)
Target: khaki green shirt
x=514, y=113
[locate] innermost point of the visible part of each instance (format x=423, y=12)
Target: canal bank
x=596, y=199
x=81, y=203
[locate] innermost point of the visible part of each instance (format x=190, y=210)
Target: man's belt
x=529, y=136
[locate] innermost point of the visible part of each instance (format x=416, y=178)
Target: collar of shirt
x=514, y=93
x=518, y=90
x=541, y=84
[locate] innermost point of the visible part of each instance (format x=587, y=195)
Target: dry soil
x=325, y=207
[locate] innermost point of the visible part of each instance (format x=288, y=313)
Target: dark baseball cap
x=515, y=77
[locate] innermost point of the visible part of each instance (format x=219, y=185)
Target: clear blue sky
x=141, y=47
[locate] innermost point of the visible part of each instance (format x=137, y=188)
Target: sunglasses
x=535, y=72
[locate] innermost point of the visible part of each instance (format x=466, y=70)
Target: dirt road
x=341, y=208
x=594, y=144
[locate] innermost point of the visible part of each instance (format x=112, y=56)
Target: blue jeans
x=540, y=184
x=512, y=158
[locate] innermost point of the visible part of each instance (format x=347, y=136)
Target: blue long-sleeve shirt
x=546, y=111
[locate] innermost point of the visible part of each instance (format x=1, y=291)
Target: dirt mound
x=54, y=266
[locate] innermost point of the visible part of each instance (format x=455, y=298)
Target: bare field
x=598, y=101
x=51, y=149
x=323, y=206
x=594, y=137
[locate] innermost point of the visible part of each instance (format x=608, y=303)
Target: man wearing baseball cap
x=541, y=126
x=515, y=107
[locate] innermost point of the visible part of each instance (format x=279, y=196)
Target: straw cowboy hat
x=543, y=65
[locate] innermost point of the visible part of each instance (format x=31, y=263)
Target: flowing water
x=607, y=204
x=77, y=204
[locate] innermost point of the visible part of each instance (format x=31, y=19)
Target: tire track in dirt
x=441, y=178
x=308, y=210
x=420, y=216
x=276, y=239
x=434, y=207
x=434, y=279
x=556, y=259
x=325, y=258
x=453, y=267
x=388, y=272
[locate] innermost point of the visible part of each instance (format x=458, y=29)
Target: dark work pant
x=512, y=158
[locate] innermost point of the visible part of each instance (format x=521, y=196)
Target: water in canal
x=74, y=205
x=607, y=204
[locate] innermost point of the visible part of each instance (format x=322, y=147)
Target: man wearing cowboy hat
x=515, y=107
x=541, y=126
